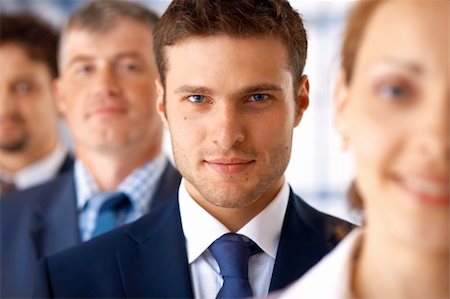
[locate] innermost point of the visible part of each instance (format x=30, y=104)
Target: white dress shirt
x=331, y=277
x=40, y=171
x=201, y=230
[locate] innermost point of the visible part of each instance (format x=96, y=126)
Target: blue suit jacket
x=66, y=165
x=148, y=258
x=43, y=220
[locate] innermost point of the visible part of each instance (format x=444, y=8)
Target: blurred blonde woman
x=392, y=112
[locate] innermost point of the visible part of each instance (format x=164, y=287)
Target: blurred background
x=318, y=171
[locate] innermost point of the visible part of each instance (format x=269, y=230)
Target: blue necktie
x=232, y=253
x=107, y=218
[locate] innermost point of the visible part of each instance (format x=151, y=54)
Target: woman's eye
x=258, y=97
x=196, y=99
x=394, y=92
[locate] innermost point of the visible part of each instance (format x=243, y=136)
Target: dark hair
x=37, y=38
x=354, y=32
x=101, y=16
x=236, y=18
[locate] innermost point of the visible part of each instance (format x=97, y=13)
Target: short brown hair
x=357, y=22
x=235, y=18
x=101, y=16
x=37, y=38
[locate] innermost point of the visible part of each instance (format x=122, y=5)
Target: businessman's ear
x=59, y=96
x=302, y=102
x=160, y=102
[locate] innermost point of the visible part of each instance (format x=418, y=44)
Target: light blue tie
x=107, y=218
x=232, y=253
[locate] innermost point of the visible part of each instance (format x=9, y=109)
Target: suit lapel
x=55, y=219
x=299, y=248
x=158, y=266
x=167, y=186
x=67, y=164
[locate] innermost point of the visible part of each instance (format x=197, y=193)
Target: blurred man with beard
x=31, y=151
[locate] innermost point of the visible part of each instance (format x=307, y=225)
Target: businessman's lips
x=107, y=111
x=230, y=166
x=11, y=122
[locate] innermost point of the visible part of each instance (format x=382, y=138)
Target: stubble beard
x=15, y=145
x=240, y=195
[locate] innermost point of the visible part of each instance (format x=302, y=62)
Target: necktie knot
x=115, y=202
x=110, y=210
x=232, y=253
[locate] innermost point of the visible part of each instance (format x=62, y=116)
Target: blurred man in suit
x=31, y=151
x=231, y=91
x=106, y=92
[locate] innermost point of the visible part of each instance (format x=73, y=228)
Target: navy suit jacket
x=148, y=259
x=43, y=220
x=65, y=166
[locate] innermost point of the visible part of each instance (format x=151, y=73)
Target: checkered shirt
x=139, y=186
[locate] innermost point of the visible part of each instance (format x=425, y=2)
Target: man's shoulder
x=125, y=237
x=99, y=261
x=91, y=252
x=145, y=253
x=37, y=195
x=91, y=264
x=334, y=228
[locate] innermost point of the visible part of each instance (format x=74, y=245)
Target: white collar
x=331, y=277
x=42, y=170
x=201, y=228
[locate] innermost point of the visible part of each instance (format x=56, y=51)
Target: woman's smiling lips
x=426, y=189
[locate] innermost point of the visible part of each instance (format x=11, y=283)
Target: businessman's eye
x=22, y=87
x=129, y=65
x=259, y=97
x=84, y=69
x=196, y=99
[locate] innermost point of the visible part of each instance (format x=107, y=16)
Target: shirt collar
x=265, y=228
x=139, y=186
x=42, y=170
x=201, y=228
x=333, y=272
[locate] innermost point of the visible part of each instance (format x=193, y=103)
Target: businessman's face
x=107, y=91
x=231, y=110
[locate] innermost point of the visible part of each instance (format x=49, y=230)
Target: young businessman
x=107, y=94
x=31, y=151
x=231, y=91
